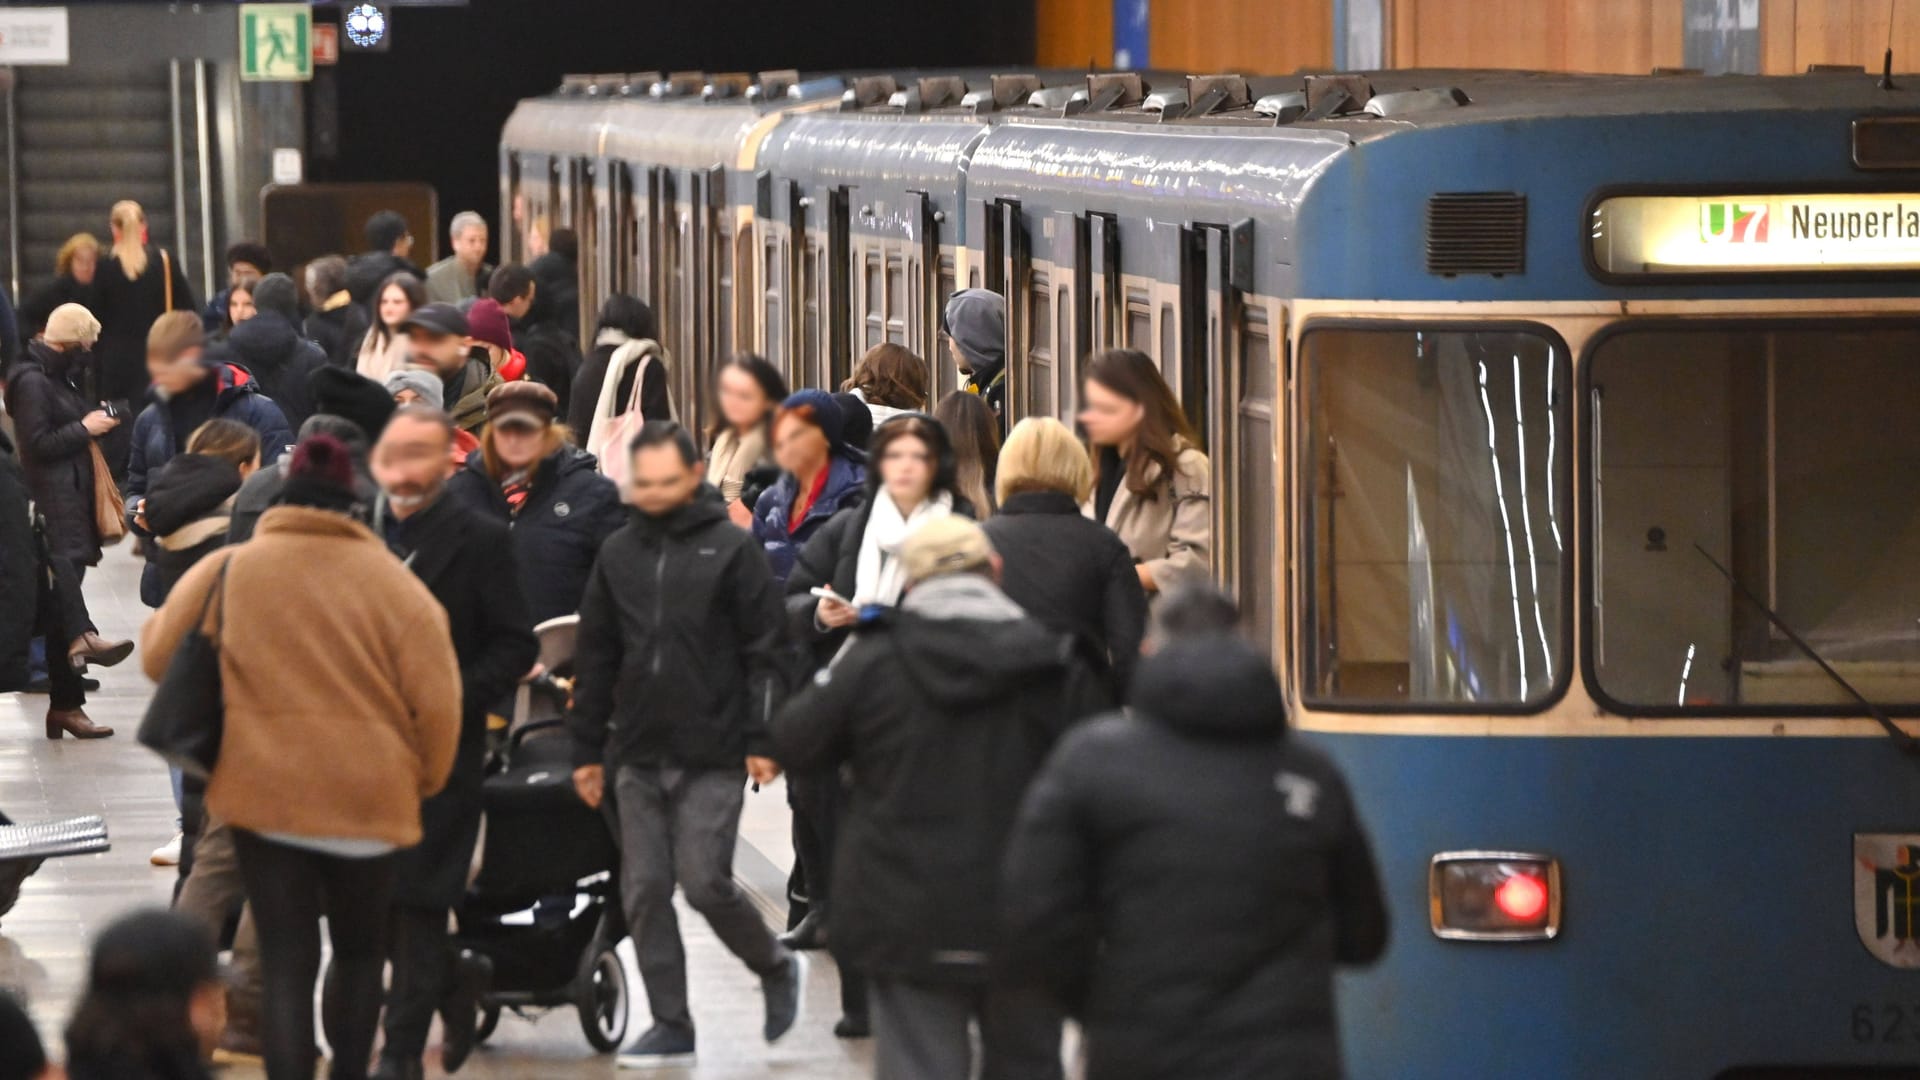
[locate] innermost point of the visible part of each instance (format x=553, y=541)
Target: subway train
x=1564, y=455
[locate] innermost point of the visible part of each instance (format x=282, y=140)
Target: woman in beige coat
x=1151, y=484
x=750, y=390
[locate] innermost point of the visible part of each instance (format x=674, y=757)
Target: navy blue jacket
x=569, y=513
x=238, y=398
x=846, y=486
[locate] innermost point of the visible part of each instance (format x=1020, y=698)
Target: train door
x=674, y=313
x=709, y=296
x=928, y=298
x=838, y=365
x=620, y=234
x=1009, y=272
x=1106, y=302
x=586, y=221
x=1072, y=315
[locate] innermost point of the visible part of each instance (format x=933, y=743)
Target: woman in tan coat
x=1151, y=484
x=749, y=390
x=342, y=713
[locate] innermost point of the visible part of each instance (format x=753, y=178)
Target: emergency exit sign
x=276, y=42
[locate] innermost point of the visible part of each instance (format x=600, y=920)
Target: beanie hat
x=321, y=475
x=277, y=293
x=856, y=427
x=944, y=545
x=487, y=322
x=420, y=381
x=175, y=333
x=977, y=321
x=254, y=255
x=519, y=400
x=346, y=393
x=827, y=415
x=71, y=324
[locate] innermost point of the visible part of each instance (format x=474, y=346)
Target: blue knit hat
x=832, y=420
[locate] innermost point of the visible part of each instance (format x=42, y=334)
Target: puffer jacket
x=19, y=570
x=568, y=514
x=773, y=512
x=1186, y=878
x=189, y=507
x=678, y=659
x=281, y=360
x=45, y=400
x=945, y=708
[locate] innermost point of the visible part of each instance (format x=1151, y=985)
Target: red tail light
x=1494, y=896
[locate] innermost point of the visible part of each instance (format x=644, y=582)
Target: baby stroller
x=544, y=908
x=24, y=847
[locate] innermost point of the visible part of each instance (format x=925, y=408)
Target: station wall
x=1619, y=36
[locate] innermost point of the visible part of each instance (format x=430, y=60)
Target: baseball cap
x=945, y=545
x=522, y=404
x=444, y=320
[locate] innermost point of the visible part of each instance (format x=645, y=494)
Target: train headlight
x=1494, y=896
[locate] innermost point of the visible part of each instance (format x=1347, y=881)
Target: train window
x=1168, y=357
x=896, y=300
x=1787, y=454
x=1255, y=477
x=1039, y=375
x=775, y=331
x=1068, y=359
x=723, y=275
x=876, y=301
x=1139, y=321
x=810, y=323
x=1434, y=488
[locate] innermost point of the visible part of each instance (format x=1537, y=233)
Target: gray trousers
x=920, y=1032
x=209, y=894
x=679, y=826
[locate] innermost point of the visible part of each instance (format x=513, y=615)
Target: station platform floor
x=44, y=940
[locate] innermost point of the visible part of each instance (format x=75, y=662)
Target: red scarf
x=804, y=504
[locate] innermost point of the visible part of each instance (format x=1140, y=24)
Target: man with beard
x=437, y=336
x=466, y=561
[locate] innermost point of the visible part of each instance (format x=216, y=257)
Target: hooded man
x=1220, y=857
x=945, y=708
x=272, y=349
x=976, y=321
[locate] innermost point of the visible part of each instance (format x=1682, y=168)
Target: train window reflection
x=1790, y=454
x=1436, y=512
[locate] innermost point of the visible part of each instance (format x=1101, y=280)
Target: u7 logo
x=1733, y=223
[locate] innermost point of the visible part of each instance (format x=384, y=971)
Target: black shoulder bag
x=187, y=714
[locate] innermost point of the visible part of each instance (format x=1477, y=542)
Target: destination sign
x=1635, y=235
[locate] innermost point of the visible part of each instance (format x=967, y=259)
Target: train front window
x=1437, y=516
x=1791, y=456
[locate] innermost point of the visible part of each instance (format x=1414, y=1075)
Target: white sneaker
x=167, y=854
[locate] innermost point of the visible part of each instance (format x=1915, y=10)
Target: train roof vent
x=1336, y=95
x=1403, y=102
x=1477, y=232
x=680, y=84
x=638, y=83
x=1169, y=104
x=1208, y=94
x=575, y=85
x=1006, y=92
x=936, y=92
x=773, y=85
x=1284, y=108
x=867, y=92
x=1117, y=90
x=723, y=87
x=1055, y=98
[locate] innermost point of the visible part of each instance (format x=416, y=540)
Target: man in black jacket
x=272, y=348
x=466, y=560
x=676, y=671
x=389, y=242
x=1186, y=877
x=945, y=709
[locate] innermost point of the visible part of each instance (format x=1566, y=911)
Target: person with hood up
x=350, y=408
x=529, y=476
x=677, y=668
x=1185, y=876
x=191, y=385
x=323, y=764
x=976, y=324
x=389, y=242
x=623, y=319
x=856, y=557
x=438, y=336
x=1064, y=568
x=270, y=346
x=889, y=380
x=819, y=477
x=944, y=708
x=336, y=323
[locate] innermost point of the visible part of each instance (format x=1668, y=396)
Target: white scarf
x=879, y=578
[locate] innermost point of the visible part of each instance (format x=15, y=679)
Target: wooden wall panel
x=1796, y=33
x=1248, y=37
x=1623, y=36
x=1073, y=33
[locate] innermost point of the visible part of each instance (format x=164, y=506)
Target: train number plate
x=1886, y=1023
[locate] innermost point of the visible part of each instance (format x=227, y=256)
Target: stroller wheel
x=489, y=1020
x=601, y=995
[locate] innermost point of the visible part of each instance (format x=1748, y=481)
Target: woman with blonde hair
x=529, y=475
x=73, y=283
x=975, y=431
x=138, y=283
x=1070, y=572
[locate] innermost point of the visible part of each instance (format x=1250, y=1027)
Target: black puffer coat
x=1222, y=865
x=1073, y=574
x=557, y=532
x=46, y=403
x=368, y=269
x=280, y=360
x=945, y=715
x=19, y=570
x=678, y=659
x=339, y=332
x=189, y=508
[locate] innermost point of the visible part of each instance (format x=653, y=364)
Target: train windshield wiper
x=1901, y=739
